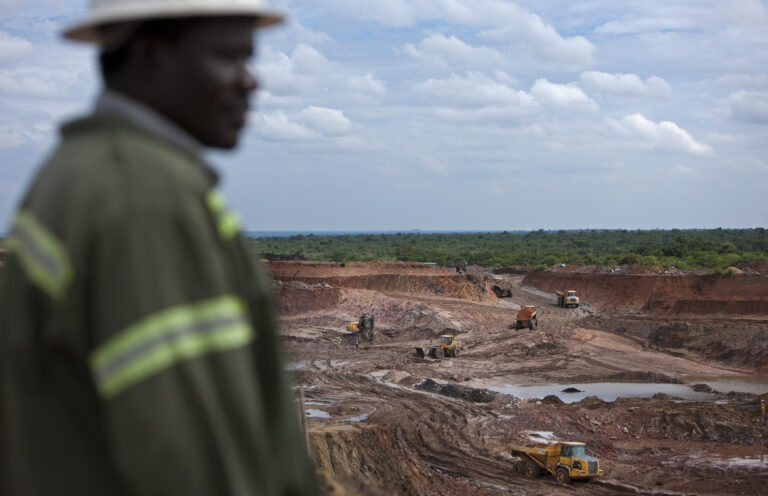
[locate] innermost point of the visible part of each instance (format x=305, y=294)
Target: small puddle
x=358, y=419
x=539, y=436
x=606, y=391
x=730, y=456
x=312, y=413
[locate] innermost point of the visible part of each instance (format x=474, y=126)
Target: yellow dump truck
x=448, y=347
x=565, y=461
x=568, y=298
x=527, y=317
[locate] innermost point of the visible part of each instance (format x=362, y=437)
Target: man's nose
x=248, y=80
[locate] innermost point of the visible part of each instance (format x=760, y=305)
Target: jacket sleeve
x=188, y=378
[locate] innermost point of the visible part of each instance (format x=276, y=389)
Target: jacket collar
x=114, y=103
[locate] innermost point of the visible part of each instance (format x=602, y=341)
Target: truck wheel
x=439, y=353
x=530, y=325
x=562, y=476
x=531, y=470
x=456, y=352
x=519, y=469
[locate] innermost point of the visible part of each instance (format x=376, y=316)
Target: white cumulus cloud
x=327, y=121
x=471, y=90
x=367, y=84
x=624, y=84
x=561, y=95
x=451, y=51
x=527, y=31
x=311, y=123
x=664, y=134
x=276, y=126
x=307, y=60
x=294, y=74
x=505, y=21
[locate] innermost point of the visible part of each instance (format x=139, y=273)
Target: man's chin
x=223, y=142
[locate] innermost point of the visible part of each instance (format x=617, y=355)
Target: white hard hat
x=104, y=12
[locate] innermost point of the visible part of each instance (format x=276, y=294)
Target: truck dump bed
x=526, y=313
x=546, y=456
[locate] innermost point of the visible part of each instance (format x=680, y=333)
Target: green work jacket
x=138, y=350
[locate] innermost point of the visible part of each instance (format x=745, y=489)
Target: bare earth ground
x=374, y=428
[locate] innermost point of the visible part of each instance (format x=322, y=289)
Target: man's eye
x=233, y=55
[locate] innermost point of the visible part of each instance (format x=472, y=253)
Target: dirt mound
x=662, y=295
x=460, y=392
x=416, y=279
x=645, y=270
x=552, y=400
x=366, y=453
x=592, y=403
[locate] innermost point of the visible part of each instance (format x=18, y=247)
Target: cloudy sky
x=458, y=114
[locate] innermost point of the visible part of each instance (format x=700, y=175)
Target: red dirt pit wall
x=289, y=270
x=662, y=295
x=415, y=279
x=300, y=300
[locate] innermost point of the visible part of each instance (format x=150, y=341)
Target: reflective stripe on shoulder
x=42, y=256
x=228, y=222
x=165, y=338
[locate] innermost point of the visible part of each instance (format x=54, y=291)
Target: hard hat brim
x=88, y=30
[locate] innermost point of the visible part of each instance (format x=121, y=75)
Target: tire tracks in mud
x=448, y=435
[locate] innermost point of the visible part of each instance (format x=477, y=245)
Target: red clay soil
x=663, y=295
x=290, y=300
x=387, y=277
x=289, y=270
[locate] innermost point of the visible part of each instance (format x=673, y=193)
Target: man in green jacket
x=138, y=350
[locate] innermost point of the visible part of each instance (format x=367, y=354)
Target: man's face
x=205, y=76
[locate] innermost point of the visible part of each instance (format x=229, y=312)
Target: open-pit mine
x=661, y=375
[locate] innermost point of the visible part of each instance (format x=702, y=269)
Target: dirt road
x=384, y=421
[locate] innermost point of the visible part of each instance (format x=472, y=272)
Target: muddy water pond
x=607, y=391
x=755, y=384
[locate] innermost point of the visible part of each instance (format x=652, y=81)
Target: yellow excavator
x=364, y=326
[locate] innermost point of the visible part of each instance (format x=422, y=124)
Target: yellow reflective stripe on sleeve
x=166, y=338
x=228, y=223
x=42, y=256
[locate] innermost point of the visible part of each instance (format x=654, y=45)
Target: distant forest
x=713, y=249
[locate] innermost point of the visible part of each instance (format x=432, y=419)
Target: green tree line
x=713, y=249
